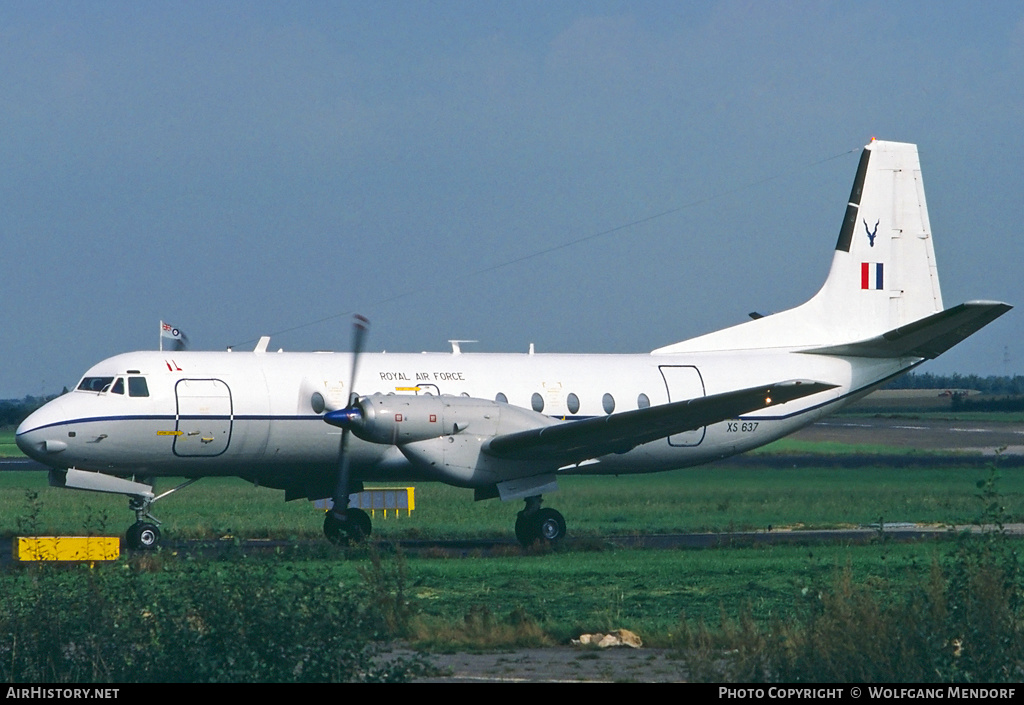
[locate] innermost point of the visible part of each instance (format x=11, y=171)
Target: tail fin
x=883, y=274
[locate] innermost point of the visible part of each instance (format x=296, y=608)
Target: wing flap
x=576, y=441
x=928, y=338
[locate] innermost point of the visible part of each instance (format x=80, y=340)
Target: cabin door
x=684, y=382
x=204, y=418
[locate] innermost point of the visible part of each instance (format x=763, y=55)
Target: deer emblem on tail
x=871, y=233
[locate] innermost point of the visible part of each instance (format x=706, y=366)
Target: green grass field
x=709, y=498
x=648, y=591
x=549, y=597
x=8, y=448
x=542, y=598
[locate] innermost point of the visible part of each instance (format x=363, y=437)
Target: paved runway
x=908, y=432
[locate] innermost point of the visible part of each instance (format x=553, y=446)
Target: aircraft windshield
x=137, y=387
x=95, y=384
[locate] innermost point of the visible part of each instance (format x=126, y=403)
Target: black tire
x=549, y=525
x=356, y=527
x=333, y=529
x=526, y=531
x=142, y=536
x=360, y=525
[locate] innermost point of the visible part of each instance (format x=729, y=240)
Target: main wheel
x=356, y=526
x=546, y=525
x=526, y=532
x=361, y=526
x=550, y=525
x=142, y=536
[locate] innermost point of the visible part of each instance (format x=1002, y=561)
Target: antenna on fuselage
x=456, y=350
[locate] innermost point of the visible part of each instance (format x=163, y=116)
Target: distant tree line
x=14, y=411
x=1010, y=386
x=962, y=402
x=997, y=393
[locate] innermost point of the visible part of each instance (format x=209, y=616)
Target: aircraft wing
x=928, y=338
x=576, y=441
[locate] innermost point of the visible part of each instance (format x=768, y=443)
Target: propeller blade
x=361, y=326
x=342, y=417
x=341, y=485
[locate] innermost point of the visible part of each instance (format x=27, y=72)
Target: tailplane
x=883, y=285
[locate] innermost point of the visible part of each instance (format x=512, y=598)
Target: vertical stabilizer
x=883, y=273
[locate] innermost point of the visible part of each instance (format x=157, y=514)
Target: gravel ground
x=559, y=664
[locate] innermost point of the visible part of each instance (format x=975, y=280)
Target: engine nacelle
x=457, y=456
x=399, y=419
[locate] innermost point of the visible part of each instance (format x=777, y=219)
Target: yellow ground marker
x=67, y=548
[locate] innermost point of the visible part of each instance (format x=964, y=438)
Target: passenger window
x=537, y=402
x=642, y=401
x=137, y=387
x=500, y=396
x=573, y=402
x=608, y=402
x=118, y=387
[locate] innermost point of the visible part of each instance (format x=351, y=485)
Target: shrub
x=187, y=622
x=963, y=623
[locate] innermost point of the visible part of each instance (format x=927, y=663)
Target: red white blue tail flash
x=871, y=275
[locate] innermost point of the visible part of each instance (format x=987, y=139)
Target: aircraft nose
x=39, y=435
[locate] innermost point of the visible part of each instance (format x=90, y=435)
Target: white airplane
x=318, y=425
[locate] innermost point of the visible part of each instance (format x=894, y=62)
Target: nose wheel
x=535, y=524
x=142, y=536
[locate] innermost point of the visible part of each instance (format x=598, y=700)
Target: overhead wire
x=570, y=243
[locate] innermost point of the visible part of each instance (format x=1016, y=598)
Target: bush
x=187, y=622
x=964, y=623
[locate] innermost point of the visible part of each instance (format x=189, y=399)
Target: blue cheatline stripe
x=296, y=417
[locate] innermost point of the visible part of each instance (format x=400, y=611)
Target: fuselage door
x=204, y=417
x=684, y=382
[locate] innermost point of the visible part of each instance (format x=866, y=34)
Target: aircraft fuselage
x=259, y=415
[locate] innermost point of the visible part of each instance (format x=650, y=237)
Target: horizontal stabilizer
x=928, y=338
x=575, y=441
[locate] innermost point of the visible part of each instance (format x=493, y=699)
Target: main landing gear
x=535, y=524
x=354, y=526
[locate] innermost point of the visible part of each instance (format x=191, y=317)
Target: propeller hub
x=344, y=418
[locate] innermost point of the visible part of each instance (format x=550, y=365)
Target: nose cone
x=42, y=436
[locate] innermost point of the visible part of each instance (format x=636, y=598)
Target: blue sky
x=241, y=169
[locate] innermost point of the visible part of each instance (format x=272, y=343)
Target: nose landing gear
x=142, y=536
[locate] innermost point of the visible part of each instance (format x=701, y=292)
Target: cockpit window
x=137, y=387
x=118, y=387
x=95, y=384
